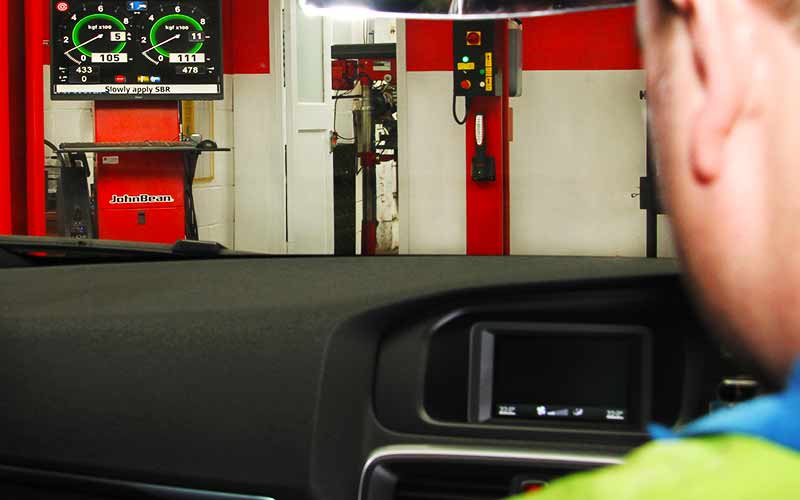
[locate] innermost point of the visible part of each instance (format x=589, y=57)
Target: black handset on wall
x=483, y=166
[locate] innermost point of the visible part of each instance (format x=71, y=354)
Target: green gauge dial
x=95, y=31
x=175, y=33
x=163, y=27
x=99, y=25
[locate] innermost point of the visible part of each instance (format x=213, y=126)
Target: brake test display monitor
x=136, y=49
x=560, y=374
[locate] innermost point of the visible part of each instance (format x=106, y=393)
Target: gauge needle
x=87, y=42
x=159, y=45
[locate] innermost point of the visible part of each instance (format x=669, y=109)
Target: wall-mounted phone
x=483, y=165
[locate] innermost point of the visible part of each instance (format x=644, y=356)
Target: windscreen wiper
x=47, y=251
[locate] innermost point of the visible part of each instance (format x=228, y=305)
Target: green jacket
x=724, y=467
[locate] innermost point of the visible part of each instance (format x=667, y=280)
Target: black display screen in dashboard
x=559, y=373
x=136, y=49
x=562, y=377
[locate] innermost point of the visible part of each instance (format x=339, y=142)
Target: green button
x=465, y=58
x=483, y=71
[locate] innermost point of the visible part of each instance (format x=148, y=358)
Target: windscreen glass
x=461, y=8
x=319, y=127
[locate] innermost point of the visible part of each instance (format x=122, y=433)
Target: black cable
x=466, y=110
x=51, y=146
x=190, y=169
x=58, y=153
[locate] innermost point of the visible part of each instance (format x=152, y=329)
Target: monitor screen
x=559, y=373
x=124, y=49
x=562, y=377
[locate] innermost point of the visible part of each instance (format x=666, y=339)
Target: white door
x=309, y=118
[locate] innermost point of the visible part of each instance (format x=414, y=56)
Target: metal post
x=652, y=209
x=487, y=202
x=35, y=34
x=365, y=138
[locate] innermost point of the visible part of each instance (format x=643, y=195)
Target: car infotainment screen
x=123, y=49
x=559, y=373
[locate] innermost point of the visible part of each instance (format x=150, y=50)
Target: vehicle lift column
x=366, y=65
x=481, y=75
x=365, y=140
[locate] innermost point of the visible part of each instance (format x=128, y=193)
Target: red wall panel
x=600, y=40
x=250, y=36
x=429, y=45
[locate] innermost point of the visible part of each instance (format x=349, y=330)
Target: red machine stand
x=140, y=195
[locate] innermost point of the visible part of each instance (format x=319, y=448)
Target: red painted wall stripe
x=599, y=40
x=227, y=36
x=250, y=37
x=429, y=45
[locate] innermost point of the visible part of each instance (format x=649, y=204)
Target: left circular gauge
x=95, y=32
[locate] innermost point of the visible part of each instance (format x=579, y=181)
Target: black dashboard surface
x=216, y=374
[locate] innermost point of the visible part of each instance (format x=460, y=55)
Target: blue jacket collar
x=775, y=418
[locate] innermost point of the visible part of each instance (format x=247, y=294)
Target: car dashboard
x=409, y=378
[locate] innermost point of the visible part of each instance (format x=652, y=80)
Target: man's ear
x=717, y=50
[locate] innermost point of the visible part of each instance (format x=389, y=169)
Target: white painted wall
x=260, y=181
x=67, y=121
x=666, y=243
x=215, y=199
x=576, y=160
x=432, y=167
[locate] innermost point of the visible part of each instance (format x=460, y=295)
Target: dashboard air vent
x=422, y=485
x=447, y=473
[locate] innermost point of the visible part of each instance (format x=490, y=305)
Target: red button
x=119, y=79
x=466, y=84
x=473, y=38
x=532, y=486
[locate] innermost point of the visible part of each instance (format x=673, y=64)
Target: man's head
x=724, y=89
